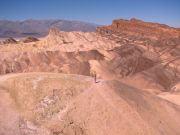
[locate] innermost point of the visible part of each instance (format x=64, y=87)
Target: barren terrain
x=47, y=85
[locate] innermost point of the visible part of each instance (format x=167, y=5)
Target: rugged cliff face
x=159, y=45
x=152, y=36
x=137, y=28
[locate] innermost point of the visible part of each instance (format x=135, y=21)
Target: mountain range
x=40, y=28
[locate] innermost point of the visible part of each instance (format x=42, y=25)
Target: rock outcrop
x=30, y=39
x=137, y=28
x=10, y=41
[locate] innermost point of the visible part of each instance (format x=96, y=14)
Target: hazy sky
x=97, y=11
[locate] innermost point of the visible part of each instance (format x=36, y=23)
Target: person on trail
x=94, y=75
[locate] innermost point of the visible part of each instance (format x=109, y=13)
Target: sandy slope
x=172, y=97
x=59, y=104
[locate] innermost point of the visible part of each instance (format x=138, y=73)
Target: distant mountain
x=41, y=27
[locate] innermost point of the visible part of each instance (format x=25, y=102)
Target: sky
x=95, y=11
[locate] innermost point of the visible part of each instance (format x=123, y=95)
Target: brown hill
x=58, y=104
x=49, y=61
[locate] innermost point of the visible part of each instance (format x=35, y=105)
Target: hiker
x=94, y=75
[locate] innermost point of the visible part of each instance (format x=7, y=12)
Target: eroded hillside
x=137, y=65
